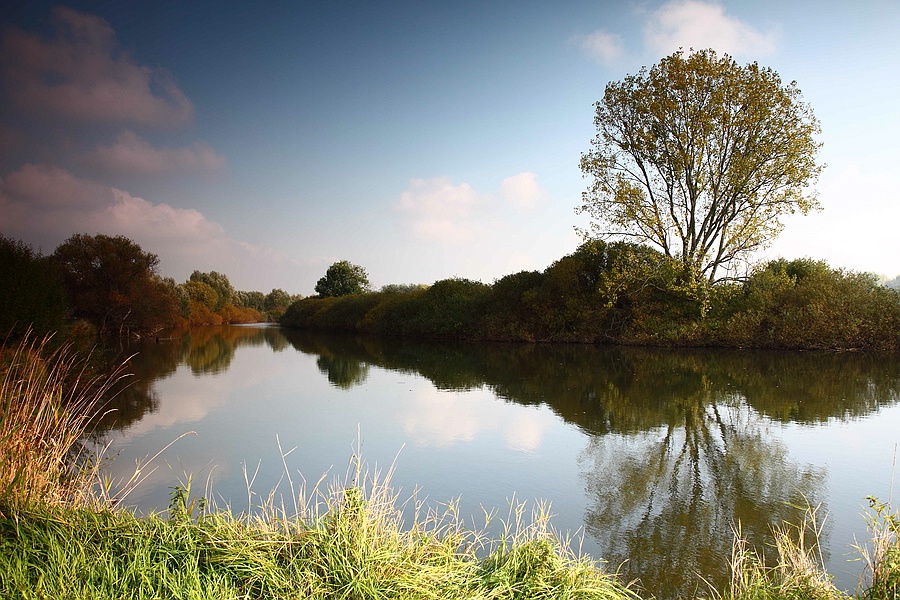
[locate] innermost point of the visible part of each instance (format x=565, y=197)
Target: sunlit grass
x=48, y=398
x=798, y=572
x=352, y=543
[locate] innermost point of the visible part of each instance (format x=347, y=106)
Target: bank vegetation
x=625, y=293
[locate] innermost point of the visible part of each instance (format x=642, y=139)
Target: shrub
x=32, y=296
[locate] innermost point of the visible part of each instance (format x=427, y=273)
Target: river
x=649, y=457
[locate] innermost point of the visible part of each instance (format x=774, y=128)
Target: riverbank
x=357, y=548
x=625, y=294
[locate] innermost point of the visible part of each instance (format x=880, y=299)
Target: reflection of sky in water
x=440, y=439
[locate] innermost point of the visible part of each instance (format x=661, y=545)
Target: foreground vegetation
x=64, y=534
x=630, y=294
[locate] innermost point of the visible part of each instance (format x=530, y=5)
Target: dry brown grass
x=48, y=396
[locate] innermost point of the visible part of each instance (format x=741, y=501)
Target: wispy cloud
x=45, y=205
x=697, y=24
x=46, y=202
x=604, y=47
x=682, y=24
x=523, y=191
x=83, y=74
x=131, y=154
x=441, y=211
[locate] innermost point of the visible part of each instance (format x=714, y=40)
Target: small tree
x=343, y=278
x=277, y=299
x=700, y=157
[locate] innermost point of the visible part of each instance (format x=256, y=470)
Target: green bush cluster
x=627, y=293
x=805, y=304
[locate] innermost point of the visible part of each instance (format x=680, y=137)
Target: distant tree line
x=627, y=293
x=110, y=284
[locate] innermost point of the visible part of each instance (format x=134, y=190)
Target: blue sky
x=421, y=140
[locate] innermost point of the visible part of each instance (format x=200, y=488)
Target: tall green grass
x=349, y=541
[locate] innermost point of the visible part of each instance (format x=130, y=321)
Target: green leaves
x=341, y=279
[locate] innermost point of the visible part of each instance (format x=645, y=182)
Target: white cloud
x=45, y=199
x=697, y=24
x=44, y=205
x=523, y=191
x=131, y=154
x=441, y=211
x=83, y=74
x=602, y=46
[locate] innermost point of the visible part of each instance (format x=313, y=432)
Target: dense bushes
x=806, y=304
x=631, y=294
x=31, y=292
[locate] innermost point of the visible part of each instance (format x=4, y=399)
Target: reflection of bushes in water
x=603, y=389
x=211, y=349
x=203, y=349
x=341, y=371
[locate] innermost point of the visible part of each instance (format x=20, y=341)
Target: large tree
x=113, y=283
x=700, y=157
x=341, y=279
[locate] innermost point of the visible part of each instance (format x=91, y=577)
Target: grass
x=881, y=579
x=48, y=397
x=62, y=534
x=798, y=572
x=350, y=544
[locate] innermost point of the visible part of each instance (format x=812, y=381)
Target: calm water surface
x=652, y=454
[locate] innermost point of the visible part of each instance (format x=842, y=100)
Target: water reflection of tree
x=665, y=499
x=205, y=350
x=678, y=444
x=338, y=357
x=341, y=371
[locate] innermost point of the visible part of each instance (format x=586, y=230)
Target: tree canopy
x=113, y=283
x=225, y=292
x=700, y=157
x=343, y=278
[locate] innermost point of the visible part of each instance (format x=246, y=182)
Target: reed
x=798, y=572
x=48, y=398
